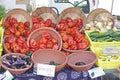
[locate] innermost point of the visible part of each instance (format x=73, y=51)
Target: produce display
x=16, y=62
x=15, y=35
x=37, y=38
x=108, y=36
x=39, y=22
x=69, y=30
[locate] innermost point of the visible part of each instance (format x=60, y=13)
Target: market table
x=64, y=74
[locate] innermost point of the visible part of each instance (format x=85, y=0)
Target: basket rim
x=73, y=51
x=96, y=10
x=44, y=9
x=19, y=11
x=73, y=10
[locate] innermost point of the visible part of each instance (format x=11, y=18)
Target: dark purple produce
x=16, y=62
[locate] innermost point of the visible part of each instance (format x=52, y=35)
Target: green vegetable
x=2, y=11
x=29, y=54
x=53, y=63
x=107, y=36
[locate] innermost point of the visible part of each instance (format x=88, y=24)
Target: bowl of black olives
x=16, y=63
x=82, y=60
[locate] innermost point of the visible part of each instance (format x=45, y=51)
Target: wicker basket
x=15, y=71
x=20, y=14
x=45, y=13
x=44, y=56
x=36, y=34
x=99, y=14
x=88, y=57
x=73, y=13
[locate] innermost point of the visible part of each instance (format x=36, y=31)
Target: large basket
x=99, y=14
x=20, y=14
x=45, y=13
x=73, y=13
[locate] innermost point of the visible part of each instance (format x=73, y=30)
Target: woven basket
x=73, y=13
x=88, y=57
x=99, y=14
x=45, y=13
x=36, y=34
x=44, y=56
x=15, y=71
x=20, y=14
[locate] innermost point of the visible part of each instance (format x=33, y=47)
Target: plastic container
x=101, y=44
x=1, y=40
x=1, y=22
x=108, y=63
x=99, y=50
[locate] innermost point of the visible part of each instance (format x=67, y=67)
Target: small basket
x=99, y=14
x=73, y=13
x=44, y=56
x=45, y=13
x=36, y=34
x=15, y=71
x=20, y=14
x=88, y=57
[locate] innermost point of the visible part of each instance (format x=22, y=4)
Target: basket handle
x=55, y=9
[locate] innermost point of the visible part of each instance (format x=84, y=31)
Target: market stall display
x=47, y=36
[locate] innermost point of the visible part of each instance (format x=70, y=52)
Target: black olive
x=80, y=63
